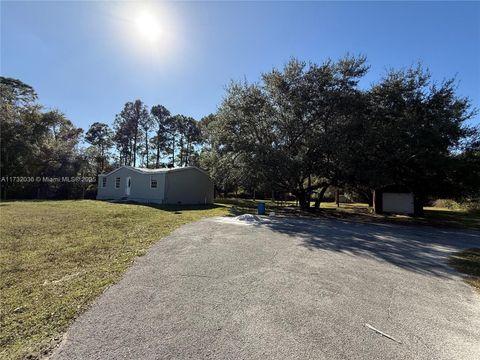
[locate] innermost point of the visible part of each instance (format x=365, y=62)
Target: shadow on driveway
x=420, y=249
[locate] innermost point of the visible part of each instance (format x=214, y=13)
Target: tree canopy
x=34, y=144
x=298, y=130
x=307, y=126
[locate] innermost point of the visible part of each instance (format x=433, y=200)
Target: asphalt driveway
x=287, y=289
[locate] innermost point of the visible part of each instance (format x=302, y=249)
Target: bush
x=447, y=203
x=471, y=204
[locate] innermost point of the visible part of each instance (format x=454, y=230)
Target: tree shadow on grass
x=420, y=249
x=176, y=209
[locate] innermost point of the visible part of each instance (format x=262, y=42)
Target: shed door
x=401, y=203
x=128, y=186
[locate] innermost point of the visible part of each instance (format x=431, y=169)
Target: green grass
x=58, y=256
x=468, y=262
x=249, y=205
x=451, y=218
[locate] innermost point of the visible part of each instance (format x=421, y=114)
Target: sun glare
x=148, y=26
x=149, y=32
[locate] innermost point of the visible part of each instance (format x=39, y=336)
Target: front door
x=128, y=186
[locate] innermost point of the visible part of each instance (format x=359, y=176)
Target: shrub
x=472, y=204
x=447, y=203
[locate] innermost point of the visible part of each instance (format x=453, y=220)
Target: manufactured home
x=187, y=185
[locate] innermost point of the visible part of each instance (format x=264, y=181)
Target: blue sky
x=88, y=58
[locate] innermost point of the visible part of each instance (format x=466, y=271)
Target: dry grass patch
x=468, y=262
x=58, y=256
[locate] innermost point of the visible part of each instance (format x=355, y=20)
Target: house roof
x=153, y=171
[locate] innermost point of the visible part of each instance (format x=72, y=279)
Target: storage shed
x=186, y=185
x=395, y=200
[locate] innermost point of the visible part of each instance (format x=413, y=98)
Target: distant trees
x=129, y=128
x=101, y=136
x=35, y=144
x=464, y=184
x=219, y=165
x=301, y=130
x=308, y=127
x=175, y=136
x=160, y=116
x=412, y=131
x=38, y=145
x=188, y=137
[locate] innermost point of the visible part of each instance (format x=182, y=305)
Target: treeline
x=306, y=128
x=299, y=132
x=36, y=143
x=144, y=137
x=43, y=155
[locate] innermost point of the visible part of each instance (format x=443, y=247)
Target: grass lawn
x=58, y=256
x=468, y=262
x=453, y=218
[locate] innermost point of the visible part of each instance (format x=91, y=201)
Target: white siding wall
x=140, y=187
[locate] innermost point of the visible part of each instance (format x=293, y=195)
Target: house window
x=153, y=183
x=117, y=183
x=104, y=182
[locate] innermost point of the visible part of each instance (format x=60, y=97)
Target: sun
x=148, y=26
x=150, y=31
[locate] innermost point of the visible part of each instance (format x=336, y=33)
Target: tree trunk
x=146, y=146
x=418, y=205
x=302, y=201
x=83, y=185
x=309, y=192
x=4, y=191
x=182, y=151
x=157, y=162
x=135, y=148
x=319, y=199
x=103, y=156
x=302, y=198
x=370, y=199
x=173, y=150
